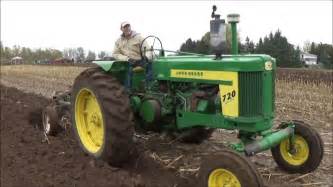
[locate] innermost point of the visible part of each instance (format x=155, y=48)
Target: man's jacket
x=129, y=48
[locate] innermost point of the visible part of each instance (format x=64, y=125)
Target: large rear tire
x=309, y=150
x=228, y=168
x=102, y=118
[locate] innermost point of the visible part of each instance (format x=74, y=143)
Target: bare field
x=310, y=101
x=42, y=79
x=315, y=76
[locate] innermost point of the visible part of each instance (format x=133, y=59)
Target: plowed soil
x=28, y=160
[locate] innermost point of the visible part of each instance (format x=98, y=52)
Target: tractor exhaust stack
x=217, y=34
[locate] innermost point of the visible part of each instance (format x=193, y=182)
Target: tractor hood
x=232, y=63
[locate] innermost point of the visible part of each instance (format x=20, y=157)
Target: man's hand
x=131, y=61
x=145, y=59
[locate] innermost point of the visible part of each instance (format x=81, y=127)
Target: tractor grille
x=250, y=94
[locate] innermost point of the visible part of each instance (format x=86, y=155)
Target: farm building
x=16, y=60
x=62, y=61
x=308, y=59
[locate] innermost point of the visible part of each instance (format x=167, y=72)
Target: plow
x=56, y=116
x=189, y=95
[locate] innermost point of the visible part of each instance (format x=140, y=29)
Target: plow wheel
x=50, y=121
x=228, y=169
x=101, y=117
x=307, y=153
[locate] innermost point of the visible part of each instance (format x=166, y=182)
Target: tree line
x=48, y=55
x=276, y=45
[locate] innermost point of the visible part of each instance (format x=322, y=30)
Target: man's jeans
x=148, y=72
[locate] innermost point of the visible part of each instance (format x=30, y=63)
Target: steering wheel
x=153, y=49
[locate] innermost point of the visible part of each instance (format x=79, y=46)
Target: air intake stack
x=233, y=19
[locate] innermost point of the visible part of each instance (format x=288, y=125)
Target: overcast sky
x=95, y=25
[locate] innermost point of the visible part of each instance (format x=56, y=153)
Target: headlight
x=268, y=65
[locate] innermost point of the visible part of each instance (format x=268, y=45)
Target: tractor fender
x=111, y=65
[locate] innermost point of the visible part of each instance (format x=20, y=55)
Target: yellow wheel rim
x=301, y=153
x=223, y=178
x=89, y=120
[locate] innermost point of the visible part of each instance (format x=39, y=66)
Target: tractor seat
x=138, y=69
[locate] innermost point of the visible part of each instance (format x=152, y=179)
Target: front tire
x=309, y=150
x=101, y=117
x=228, y=169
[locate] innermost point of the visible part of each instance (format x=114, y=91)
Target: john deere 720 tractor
x=191, y=95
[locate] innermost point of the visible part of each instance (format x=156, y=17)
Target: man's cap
x=123, y=24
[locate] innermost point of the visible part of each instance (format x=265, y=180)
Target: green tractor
x=191, y=95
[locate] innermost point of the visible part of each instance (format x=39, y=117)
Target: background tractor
x=190, y=96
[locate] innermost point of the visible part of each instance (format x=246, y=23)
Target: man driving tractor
x=127, y=48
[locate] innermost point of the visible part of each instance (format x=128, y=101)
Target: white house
x=308, y=59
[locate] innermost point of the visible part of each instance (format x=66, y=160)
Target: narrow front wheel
x=306, y=154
